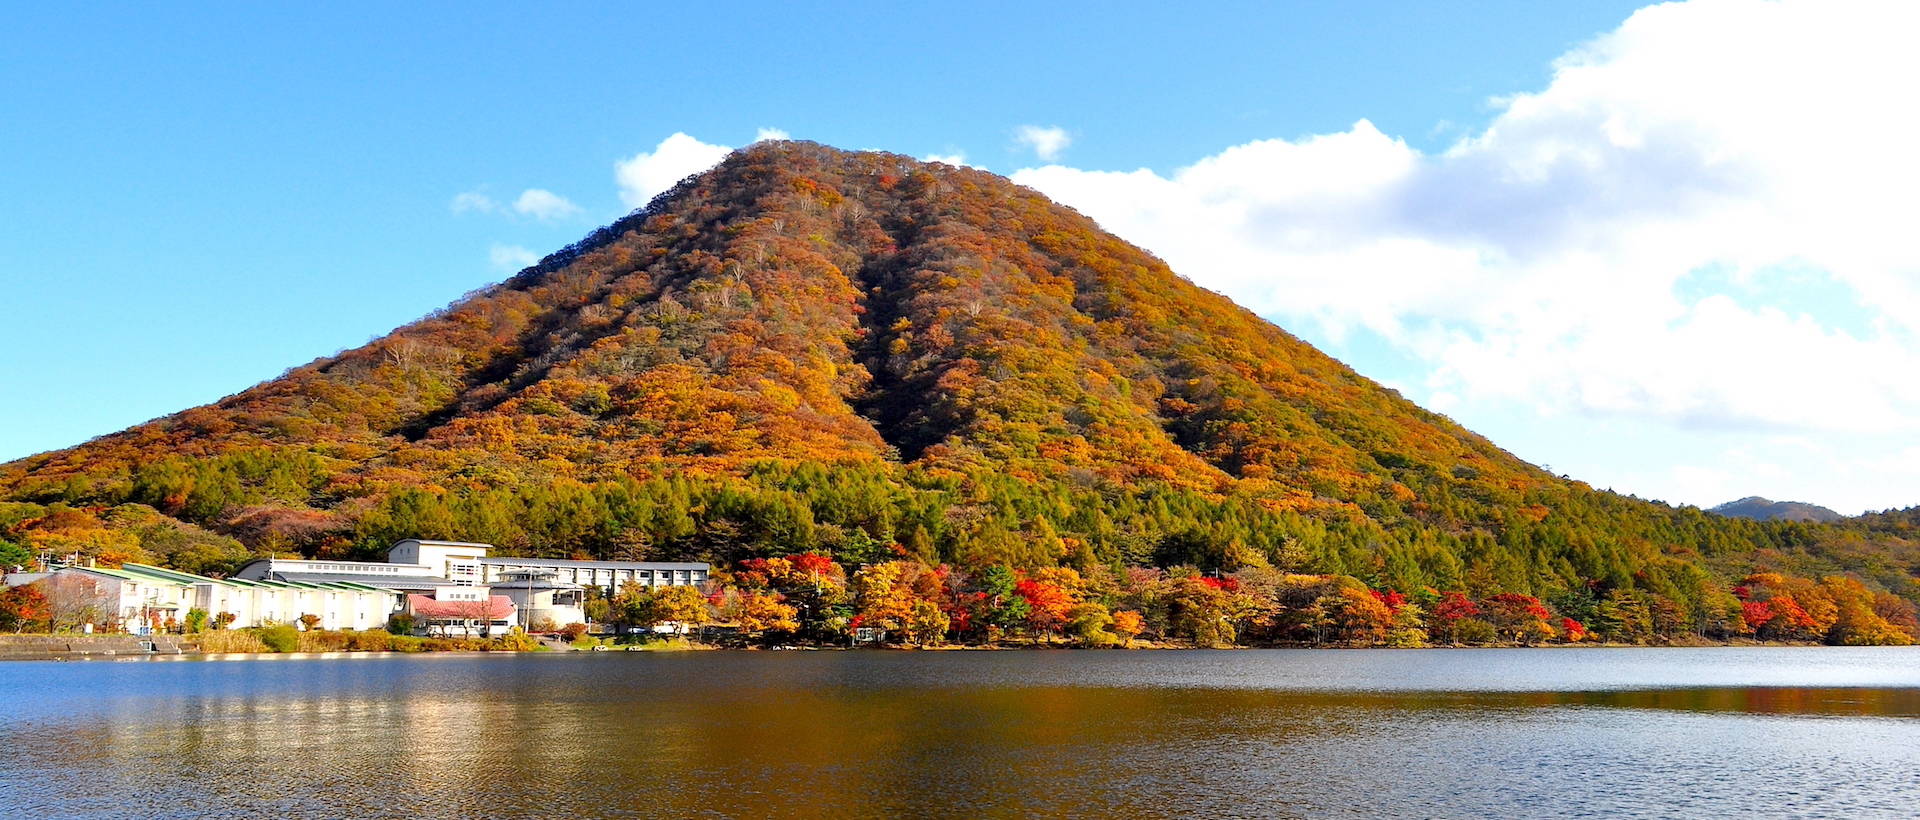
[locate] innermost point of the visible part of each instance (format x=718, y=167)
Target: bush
x=280, y=638
x=1474, y=631
x=406, y=643
x=513, y=641
x=1408, y=638
x=401, y=624
x=371, y=640
x=196, y=620
x=224, y=640
x=573, y=632
x=321, y=641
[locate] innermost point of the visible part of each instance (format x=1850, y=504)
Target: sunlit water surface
x=1801, y=732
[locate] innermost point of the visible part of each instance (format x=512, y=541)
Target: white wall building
x=143, y=599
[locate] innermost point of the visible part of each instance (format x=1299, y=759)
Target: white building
x=545, y=602
x=461, y=612
x=143, y=599
x=542, y=592
x=464, y=562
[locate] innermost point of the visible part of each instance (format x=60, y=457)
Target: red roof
x=498, y=606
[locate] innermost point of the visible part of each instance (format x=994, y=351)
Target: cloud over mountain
x=1710, y=198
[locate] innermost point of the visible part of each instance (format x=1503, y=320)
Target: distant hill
x=859, y=353
x=1759, y=509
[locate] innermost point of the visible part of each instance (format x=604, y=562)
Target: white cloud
x=511, y=257
x=541, y=204
x=649, y=173
x=473, y=201
x=956, y=160
x=1605, y=247
x=1047, y=143
x=766, y=134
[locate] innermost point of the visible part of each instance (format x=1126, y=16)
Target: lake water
x=1709, y=733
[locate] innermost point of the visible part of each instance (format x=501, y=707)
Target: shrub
x=280, y=638
x=1407, y=638
x=234, y=640
x=371, y=640
x=196, y=620
x=400, y=624
x=320, y=641
x=573, y=632
x=406, y=643
x=1474, y=631
x=513, y=641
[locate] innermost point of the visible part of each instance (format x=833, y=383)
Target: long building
x=439, y=580
x=418, y=565
x=144, y=599
x=443, y=585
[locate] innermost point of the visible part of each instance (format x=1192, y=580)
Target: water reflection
x=1119, y=735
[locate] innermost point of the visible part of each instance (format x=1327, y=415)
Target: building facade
x=145, y=599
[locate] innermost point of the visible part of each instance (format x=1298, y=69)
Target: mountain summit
x=808, y=348
x=1760, y=509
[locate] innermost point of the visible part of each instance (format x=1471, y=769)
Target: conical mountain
x=811, y=348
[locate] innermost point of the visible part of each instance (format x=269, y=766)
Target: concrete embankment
x=62, y=647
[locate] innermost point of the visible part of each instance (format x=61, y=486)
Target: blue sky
x=196, y=200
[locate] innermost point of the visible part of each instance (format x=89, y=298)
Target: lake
x=1547, y=733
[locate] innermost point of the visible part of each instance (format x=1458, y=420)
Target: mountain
x=1760, y=509
x=805, y=348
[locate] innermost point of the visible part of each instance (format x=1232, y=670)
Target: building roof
x=538, y=582
x=557, y=563
x=498, y=607
x=381, y=582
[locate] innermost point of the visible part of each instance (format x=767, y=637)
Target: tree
x=1855, y=622
x=13, y=555
x=1519, y=618
x=883, y=594
x=1452, y=608
x=758, y=611
x=196, y=620
x=23, y=608
x=1127, y=624
x=1362, y=618
x=1624, y=616
x=309, y=622
x=1089, y=623
x=1205, y=609
x=682, y=606
x=73, y=599
x=1048, y=605
x=927, y=625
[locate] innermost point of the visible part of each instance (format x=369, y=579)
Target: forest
x=988, y=416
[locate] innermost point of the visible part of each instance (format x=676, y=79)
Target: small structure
x=545, y=602
x=461, y=612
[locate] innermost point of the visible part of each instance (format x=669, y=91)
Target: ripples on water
x=1800, y=732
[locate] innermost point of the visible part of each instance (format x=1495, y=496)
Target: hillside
x=805, y=349
x=1760, y=509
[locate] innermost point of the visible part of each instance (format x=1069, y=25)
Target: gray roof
x=379, y=581
x=560, y=563
x=439, y=543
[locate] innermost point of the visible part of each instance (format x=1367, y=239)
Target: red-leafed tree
x=1452, y=608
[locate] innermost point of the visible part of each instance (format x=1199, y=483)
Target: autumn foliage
x=914, y=397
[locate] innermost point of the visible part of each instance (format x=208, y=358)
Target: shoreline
x=125, y=647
